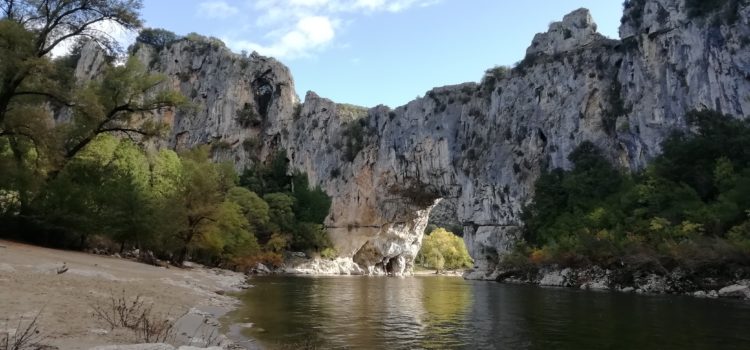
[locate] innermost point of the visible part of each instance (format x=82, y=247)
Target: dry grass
x=26, y=335
x=146, y=325
x=137, y=316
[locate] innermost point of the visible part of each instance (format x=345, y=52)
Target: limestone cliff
x=479, y=145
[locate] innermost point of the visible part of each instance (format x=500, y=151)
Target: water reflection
x=448, y=313
x=446, y=307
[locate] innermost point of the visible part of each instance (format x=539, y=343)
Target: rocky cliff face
x=481, y=146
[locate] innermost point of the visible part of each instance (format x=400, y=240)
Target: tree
x=254, y=208
x=230, y=238
x=156, y=37
x=311, y=204
x=33, y=28
x=166, y=169
x=120, y=103
x=281, y=212
x=129, y=207
x=196, y=204
x=443, y=250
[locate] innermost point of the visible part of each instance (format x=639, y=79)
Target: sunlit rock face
x=480, y=146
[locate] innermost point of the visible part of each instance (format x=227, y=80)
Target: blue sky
x=370, y=52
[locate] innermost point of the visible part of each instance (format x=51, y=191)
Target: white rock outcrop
x=735, y=291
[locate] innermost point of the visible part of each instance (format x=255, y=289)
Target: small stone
x=627, y=290
x=713, y=294
x=99, y=331
x=700, y=294
x=594, y=285
x=735, y=291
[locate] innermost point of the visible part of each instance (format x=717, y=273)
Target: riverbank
x=717, y=282
x=429, y=273
x=63, y=290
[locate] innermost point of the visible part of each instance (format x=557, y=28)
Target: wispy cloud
x=309, y=34
x=297, y=28
x=216, y=9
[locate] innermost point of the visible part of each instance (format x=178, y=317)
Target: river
x=452, y=313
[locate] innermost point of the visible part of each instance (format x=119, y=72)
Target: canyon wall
x=481, y=145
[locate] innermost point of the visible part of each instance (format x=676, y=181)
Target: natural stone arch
x=482, y=145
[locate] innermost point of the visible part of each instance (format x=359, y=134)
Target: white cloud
x=309, y=34
x=216, y=9
x=299, y=28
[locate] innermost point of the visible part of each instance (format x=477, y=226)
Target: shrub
x=136, y=315
x=703, y=8
x=329, y=253
x=26, y=335
x=493, y=76
x=269, y=258
x=248, y=116
x=635, y=10
x=443, y=250
x=156, y=37
x=354, y=138
x=251, y=144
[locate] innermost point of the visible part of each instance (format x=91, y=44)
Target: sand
x=30, y=285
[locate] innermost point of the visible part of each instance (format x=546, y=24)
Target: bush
x=156, y=37
x=248, y=117
x=329, y=253
x=135, y=315
x=493, y=76
x=269, y=258
x=702, y=8
x=354, y=138
x=443, y=250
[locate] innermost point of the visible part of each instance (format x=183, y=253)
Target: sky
x=370, y=52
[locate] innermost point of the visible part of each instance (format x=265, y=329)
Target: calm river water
x=451, y=313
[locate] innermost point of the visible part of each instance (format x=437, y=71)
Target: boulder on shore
x=735, y=291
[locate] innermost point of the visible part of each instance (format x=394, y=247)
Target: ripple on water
x=450, y=313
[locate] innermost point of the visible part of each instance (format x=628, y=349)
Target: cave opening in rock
x=263, y=95
x=390, y=267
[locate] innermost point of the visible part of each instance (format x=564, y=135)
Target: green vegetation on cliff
x=690, y=207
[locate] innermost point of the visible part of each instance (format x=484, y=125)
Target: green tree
x=166, y=169
x=311, y=204
x=254, y=208
x=281, y=212
x=196, y=205
x=112, y=105
x=229, y=239
x=443, y=250
x=156, y=37
x=32, y=29
x=297, y=211
x=694, y=194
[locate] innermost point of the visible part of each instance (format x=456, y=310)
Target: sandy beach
x=30, y=285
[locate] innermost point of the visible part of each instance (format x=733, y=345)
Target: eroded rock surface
x=481, y=146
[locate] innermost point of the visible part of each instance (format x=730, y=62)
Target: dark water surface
x=451, y=313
